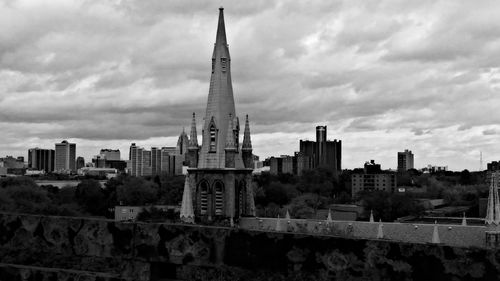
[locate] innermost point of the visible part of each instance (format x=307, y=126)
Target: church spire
x=193, y=138
x=247, y=143
x=186, y=213
x=220, y=105
x=221, y=29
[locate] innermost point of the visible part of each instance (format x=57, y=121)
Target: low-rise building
x=100, y=172
x=372, y=179
x=285, y=164
x=130, y=213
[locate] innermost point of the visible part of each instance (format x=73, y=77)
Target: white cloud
x=384, y=76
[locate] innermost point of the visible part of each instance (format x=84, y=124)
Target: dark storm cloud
x=387, y=74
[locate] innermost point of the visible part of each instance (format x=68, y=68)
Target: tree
x=17, y=181
x=26, y=199
x=465, y=177
x=389, y=206
x=319, y=181
x=90, y=196
x=306, y=205
x=170, y=189
x=136, y=191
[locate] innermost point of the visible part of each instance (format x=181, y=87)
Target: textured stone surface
x=139, y=251
x=450, y=235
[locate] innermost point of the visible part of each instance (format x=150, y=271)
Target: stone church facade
x=219, y=180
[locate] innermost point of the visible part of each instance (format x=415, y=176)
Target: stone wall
x=451, y=235
x=108, y=250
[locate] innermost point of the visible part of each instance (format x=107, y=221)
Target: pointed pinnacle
x=247, y=142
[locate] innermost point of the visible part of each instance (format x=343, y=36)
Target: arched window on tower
x=213, y=138
x=223, y=62
x=203, y=197
x=219, y=197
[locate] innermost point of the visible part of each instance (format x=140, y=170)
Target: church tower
x=219, y=178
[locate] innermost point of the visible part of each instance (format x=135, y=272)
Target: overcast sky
x=382, y=75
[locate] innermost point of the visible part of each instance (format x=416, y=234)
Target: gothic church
x=218, y=184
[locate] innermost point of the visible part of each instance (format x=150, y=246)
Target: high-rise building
x=146, y=163
x=322, y=153
x=220, y=171
x=155, y=161
x=136, y=160
x=65, y=157
x=110, y=154
x=80, y=162
x=405, y=161
x=41, y=159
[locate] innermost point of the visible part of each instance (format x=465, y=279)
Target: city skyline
x=383, y=77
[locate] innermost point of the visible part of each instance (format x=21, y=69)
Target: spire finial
x=247, y=142
x=493, y=209
x=380, y=231
x=435, y=234
x=187, y=213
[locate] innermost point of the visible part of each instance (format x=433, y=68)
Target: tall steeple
x=193, y=137
x=220, y=104
x=247, y=143
x=193, y=147
x=219, y=178
x=246, y=147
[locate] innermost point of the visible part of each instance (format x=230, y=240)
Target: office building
x=136, y=160
x=80, y=162
x=110, y=154
x=65, y=157
x=405, y=161
x=41, y=159
x=12, y=166
x=285, y=164
x=154, y=162
x=372, y=179
x=321, y=153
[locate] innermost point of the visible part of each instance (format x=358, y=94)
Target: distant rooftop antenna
x=480, y=161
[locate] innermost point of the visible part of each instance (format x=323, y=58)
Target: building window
x=213, y=139
x=213, y=65
x=203, y=197
x=219, y=197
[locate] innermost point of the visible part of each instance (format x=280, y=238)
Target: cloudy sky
x=382, y=75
